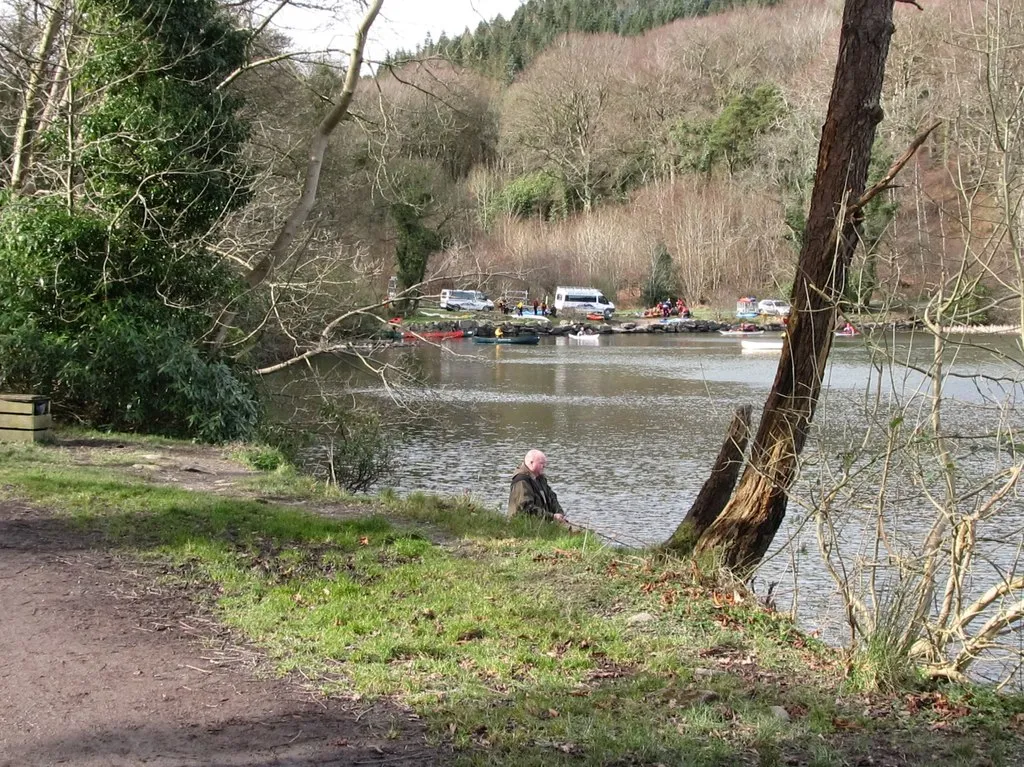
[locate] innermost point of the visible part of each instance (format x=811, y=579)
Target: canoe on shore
x=508, y=340
x=433, y=335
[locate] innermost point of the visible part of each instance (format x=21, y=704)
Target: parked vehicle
x=466, y=300
x=583, y=300
x=774, y=307
x=746, y=308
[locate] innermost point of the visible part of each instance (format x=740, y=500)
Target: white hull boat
x=585, y=338
x=761, y=344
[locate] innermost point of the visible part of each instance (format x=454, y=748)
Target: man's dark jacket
x=532, y=495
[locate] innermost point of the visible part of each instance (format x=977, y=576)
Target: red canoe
x=433, y=335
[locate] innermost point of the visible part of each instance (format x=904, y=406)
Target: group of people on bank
x=669, y=308
x=540, y=308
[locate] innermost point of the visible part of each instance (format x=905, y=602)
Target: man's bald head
x=536, y=461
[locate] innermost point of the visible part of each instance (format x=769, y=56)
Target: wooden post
x=24, y=418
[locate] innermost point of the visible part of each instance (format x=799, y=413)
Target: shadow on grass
x=297, y=736
x=137, y=514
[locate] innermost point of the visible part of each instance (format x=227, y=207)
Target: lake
x=631, y=427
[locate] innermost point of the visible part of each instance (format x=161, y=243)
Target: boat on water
x=433, y=335
x=741, y=333
x=585, y=338
x=508, y=340
x=761, y=344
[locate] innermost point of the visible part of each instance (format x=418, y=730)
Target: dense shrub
x=124, y=373
x=106, y=288
x=352, y=450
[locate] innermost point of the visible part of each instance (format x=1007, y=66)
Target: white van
x=583, y=300
x=471, y=300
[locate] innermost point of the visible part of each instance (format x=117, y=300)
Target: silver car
x=773, y=307
x=467, y=300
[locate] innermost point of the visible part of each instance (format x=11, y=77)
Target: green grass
x=262, y=457
x=515, y=641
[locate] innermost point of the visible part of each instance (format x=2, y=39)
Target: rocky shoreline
x=514, y=326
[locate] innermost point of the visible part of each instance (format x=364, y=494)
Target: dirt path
x=99, y=667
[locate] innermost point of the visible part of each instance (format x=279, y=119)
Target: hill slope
x=503, y=48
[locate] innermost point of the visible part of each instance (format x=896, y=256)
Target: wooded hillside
x=701, y=134
x=503, y=48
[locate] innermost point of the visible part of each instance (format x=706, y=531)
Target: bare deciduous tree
x=282, y=245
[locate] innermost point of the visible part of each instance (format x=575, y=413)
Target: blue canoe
x=521, y=340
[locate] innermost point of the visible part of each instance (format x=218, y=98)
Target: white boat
x=741, y=333
x=585, y=338
x=761, y=344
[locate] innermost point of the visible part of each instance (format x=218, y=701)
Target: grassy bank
x=517, y=643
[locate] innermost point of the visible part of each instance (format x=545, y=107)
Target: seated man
x=530, y=492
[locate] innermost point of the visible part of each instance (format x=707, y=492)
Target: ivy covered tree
x=414, y=208
x=730, y=139
x=106, y=282
x=415, y=244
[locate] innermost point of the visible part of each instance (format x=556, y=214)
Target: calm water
x=632, y=426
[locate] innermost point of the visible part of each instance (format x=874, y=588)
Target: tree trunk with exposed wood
x=745, y=529
x=717, y=488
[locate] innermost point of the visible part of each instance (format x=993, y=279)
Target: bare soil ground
x=98, y=666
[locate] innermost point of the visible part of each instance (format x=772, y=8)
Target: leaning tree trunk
x=717, y=488
x=742, y=533
x=25, y=130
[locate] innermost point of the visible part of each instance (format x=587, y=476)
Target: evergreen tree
x=542, y=21
x=663, y=281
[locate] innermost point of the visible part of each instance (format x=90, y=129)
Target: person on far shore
x=530, y=492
